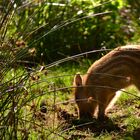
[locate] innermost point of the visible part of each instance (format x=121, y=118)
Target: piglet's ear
x=78, y=79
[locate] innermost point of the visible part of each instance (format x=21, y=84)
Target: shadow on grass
x=93, y=125
x=96, y=126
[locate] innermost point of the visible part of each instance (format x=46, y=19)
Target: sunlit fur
x=114, y=71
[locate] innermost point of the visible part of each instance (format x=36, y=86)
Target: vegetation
x=65, y=28
x=42, y=107
x=37, y=41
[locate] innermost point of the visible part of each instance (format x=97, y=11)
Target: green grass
x=51, y=87
x=23, y=93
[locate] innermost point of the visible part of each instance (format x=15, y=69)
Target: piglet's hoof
x=103, y=118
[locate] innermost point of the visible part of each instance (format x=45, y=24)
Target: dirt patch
x=94, y=125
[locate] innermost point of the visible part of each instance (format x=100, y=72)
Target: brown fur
x=114, y=71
